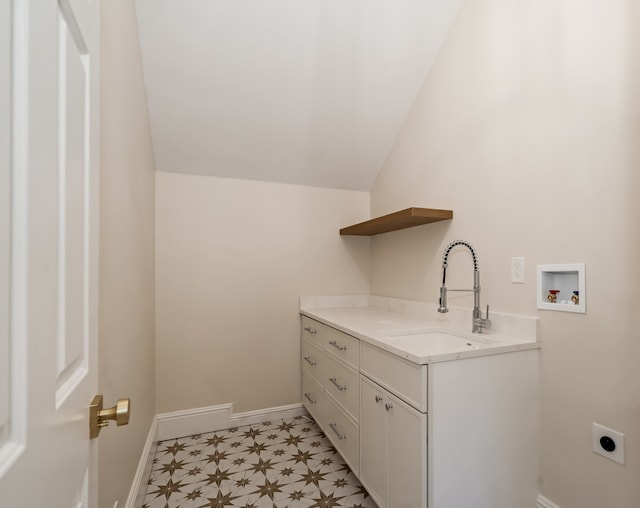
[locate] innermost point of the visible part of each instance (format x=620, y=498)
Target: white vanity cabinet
x=450, y=431
x=393, y=454
x=330, y=385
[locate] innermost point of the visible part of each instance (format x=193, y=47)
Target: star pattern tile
x=284, y=464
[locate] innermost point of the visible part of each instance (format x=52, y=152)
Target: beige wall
x=233, y=257
x=527, y=127
x=126, y=251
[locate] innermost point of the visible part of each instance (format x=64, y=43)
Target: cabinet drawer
x=313, y=399
x=405, y=379
x=312, y=361
x=341, y=346
x=311, y=330
x=343, y=433
x=342, y=384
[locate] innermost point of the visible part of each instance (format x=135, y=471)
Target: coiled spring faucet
x=479, y=323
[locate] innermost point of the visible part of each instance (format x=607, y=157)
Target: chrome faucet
x=479, y=323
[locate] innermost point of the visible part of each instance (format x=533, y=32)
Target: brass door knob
x=99, y=417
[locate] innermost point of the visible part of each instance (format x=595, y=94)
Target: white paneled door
x=48, y=251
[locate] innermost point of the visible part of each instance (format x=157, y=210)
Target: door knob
x=99, y=417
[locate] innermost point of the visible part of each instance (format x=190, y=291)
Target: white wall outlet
x=517, y=270
x=608, y=443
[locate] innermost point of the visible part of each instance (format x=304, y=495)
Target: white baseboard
x=212, y=418
x=543, y=502
x=143, y=472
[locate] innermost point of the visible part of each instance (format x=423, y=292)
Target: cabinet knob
x=388, y=406
x=378, y=398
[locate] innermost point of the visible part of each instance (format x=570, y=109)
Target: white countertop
x=416, y=331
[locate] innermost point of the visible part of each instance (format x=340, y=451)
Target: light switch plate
x=517, y=270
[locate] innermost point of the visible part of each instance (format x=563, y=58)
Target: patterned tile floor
x=284, y=464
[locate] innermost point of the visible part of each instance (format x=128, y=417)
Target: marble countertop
x=416, y=331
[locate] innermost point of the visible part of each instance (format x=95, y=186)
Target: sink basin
x=435, y=343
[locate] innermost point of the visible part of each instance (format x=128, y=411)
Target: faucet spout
x=479, y=323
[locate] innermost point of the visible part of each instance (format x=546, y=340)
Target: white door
x=48, y=251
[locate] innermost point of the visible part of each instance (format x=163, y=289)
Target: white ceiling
x=308, y=92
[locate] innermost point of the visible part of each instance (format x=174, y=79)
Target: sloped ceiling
x=308, y=92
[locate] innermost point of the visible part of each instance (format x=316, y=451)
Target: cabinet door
x=406, y=455
x=312, y=360
x=313, y=399
x=312, y=330
x=341, y=383
x=343, y=432
x=373, y=440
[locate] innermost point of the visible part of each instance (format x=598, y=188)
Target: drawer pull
x=335, y=382
x=310, y=399
x=378, y=398
x=337, y=346
x=334, y=429
x=310, y=361
x=311, y=330
x=388, y=406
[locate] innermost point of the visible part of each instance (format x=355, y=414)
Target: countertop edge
x=376, y=338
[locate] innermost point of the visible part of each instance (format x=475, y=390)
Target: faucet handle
x=486, y=322
x=481, y=323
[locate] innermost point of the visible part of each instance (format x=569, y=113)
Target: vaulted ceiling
x=308, y=92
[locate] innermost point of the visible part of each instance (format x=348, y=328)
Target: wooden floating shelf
x=398, y=220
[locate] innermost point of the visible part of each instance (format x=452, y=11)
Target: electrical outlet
x=517, y=270
x=608, y=443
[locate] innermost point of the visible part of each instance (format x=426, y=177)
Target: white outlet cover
x=517, y=270
x=600, y=431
